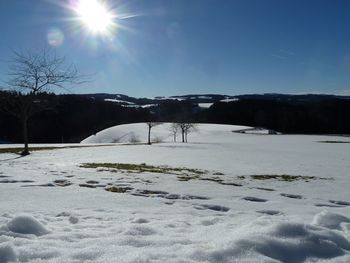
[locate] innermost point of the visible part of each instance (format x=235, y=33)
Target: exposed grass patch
x=18, y=150
x=219, y=181
x=218, y=173
x=182, y=173
x=140, y=168
x=117, y=189
x=216, y=179
x=283, y=177
x=186, y=178
x=152, y=192
x=334, y=141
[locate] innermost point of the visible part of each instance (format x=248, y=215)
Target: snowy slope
x=223, y=215
x=139, y=132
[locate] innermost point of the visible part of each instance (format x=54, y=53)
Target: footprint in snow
x=270, y=212
x=166, y=195
x=327, y=205
x=254, y=199
x=140, y=221
x=9, y=181
x=62, y=182
x=217, y=208
x=292, y=196
x=265, y=189
x=140, y=231
x=185, y=197
x=41, y=185
x=210, y=222
x=87, y=185
x=342, y=203
x=92, y=182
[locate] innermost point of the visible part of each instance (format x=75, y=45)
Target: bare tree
x=186, y=128
x=150, y=125
x=30, y=76
x=190, y=127
x=174, y=129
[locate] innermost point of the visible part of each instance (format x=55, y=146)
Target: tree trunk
x=149, y=135
x=183, y=135
x=25, y=136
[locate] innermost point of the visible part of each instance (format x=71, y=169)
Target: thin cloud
x=283, y=54
x=278, y=56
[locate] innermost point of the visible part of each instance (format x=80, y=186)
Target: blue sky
x=173, y=47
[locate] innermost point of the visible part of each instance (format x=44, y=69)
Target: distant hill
x=212, y=98
x=71, y=118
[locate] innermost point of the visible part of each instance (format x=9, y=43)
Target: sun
x=95, y=16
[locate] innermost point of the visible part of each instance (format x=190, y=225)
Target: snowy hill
x=223, y=197
x=138, y=132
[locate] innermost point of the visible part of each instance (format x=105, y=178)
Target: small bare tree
x=150, y=125
x=186, y=128
x=189, y=128
x=174, y=129
x=30, y=76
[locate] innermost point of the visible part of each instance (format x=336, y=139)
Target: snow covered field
x=222, y=197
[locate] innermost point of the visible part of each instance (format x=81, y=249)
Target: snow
x=128, y=132
x=230, y=100
x=7, y=254
x=332, y=221
x=119, y=101
x=169, y=98
x=234, y=219
x=25, y=224
x=205, y=105
x=148, y=105
x=257, y=130
x=140, y=106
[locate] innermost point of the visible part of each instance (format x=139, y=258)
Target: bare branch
x=31, y=75
x=40, y=72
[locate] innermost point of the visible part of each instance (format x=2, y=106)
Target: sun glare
x=95, y=16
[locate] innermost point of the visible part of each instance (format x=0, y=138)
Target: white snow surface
x=205, y=105
x=230, y=100
x=139, y=131
x=119, y=101
x=46, y=216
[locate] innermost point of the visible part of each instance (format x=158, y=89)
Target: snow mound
x=330, y=220
x=128, y=133
x=7, y=254
x=287, y=242
x=25, y=224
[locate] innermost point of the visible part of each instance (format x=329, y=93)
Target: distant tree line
x=326, y=116
x=71, y=118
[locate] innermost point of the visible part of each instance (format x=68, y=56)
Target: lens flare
x=95, y=16
x=55, y=37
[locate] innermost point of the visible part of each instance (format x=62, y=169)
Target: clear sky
x=172, y=47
